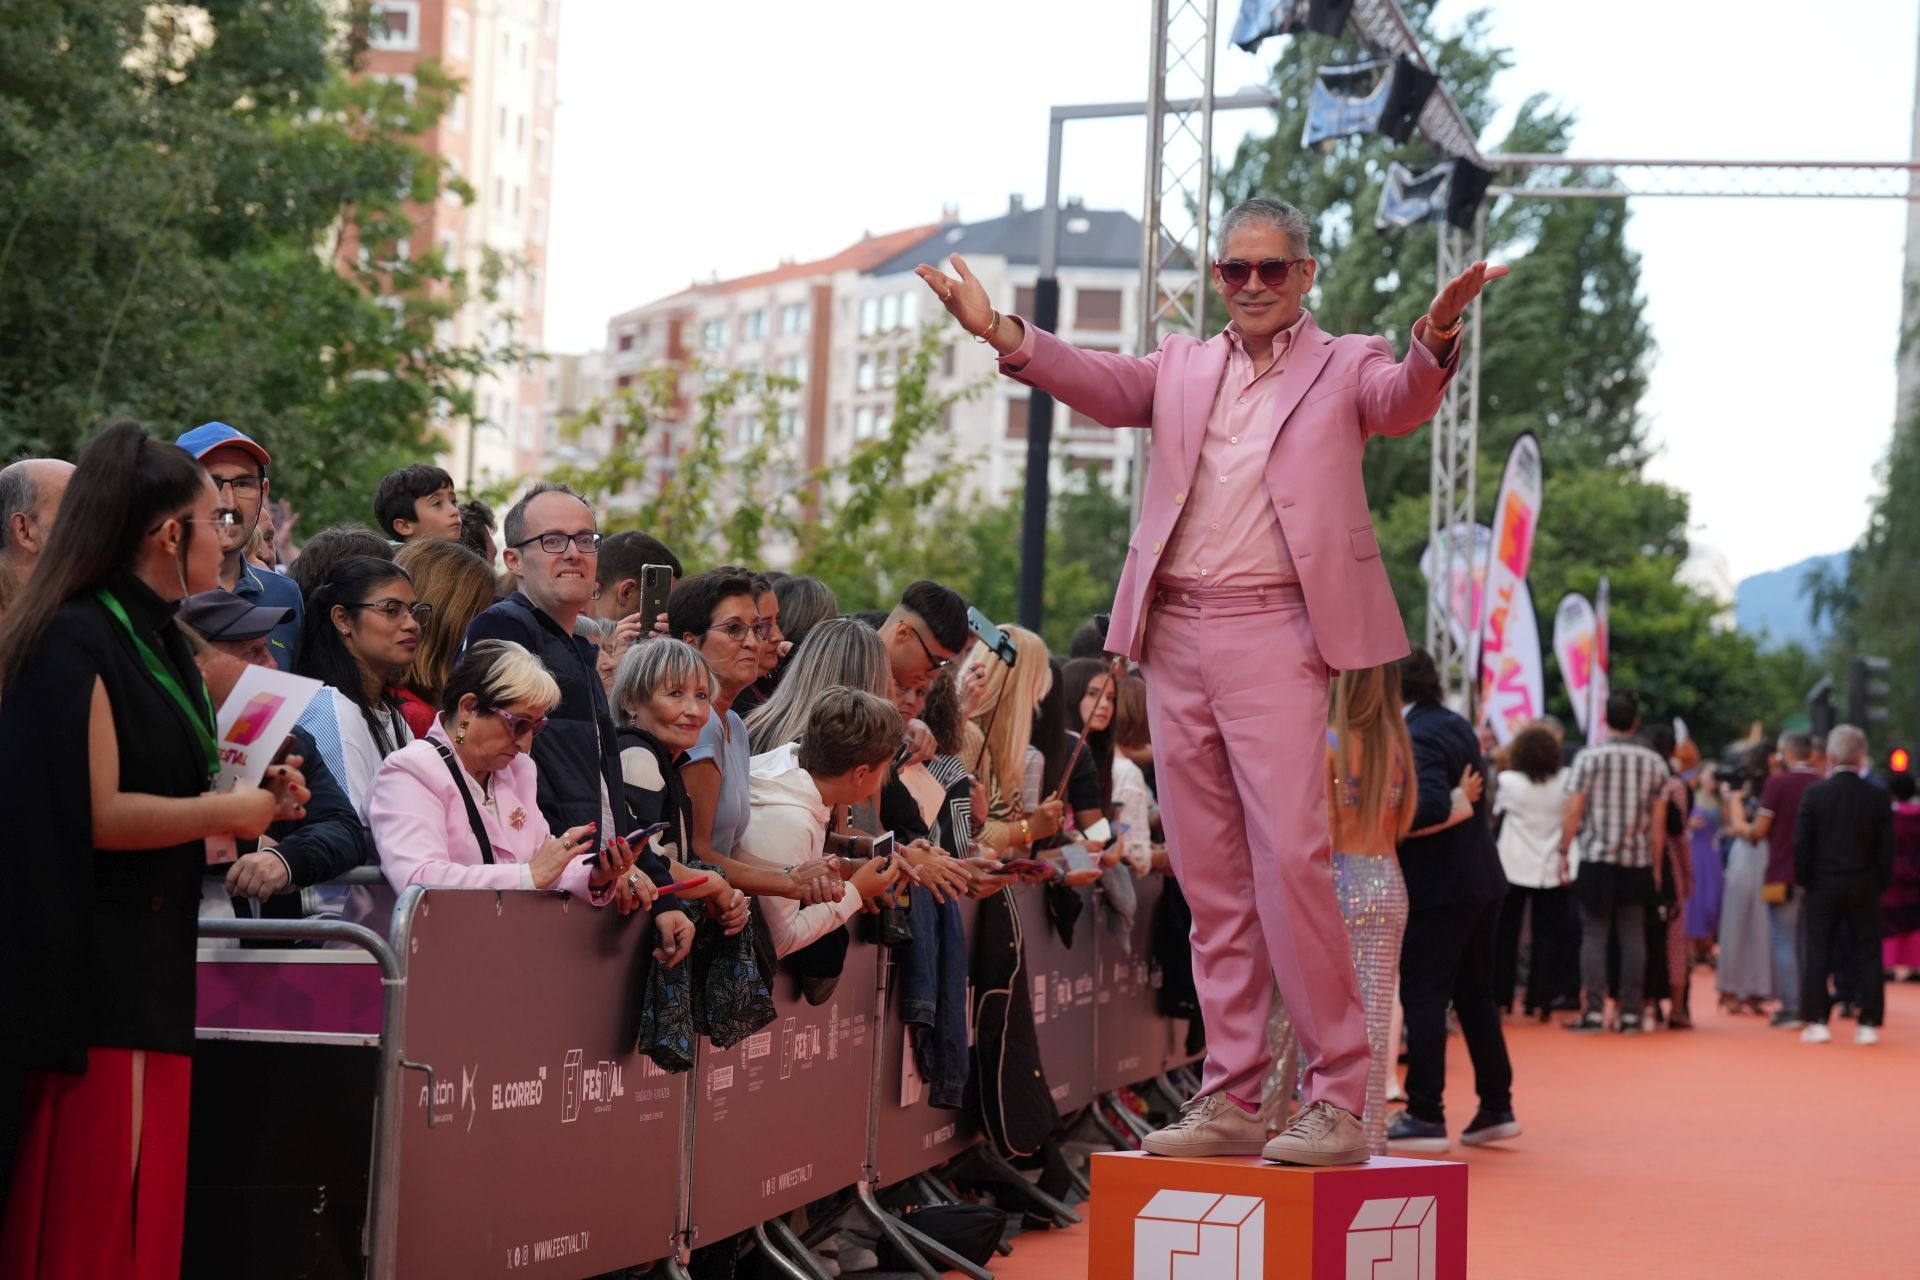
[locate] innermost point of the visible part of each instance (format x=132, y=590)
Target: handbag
x=970, y=1230
x=466, y=794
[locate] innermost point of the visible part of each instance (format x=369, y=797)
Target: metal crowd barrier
x=514, y=1126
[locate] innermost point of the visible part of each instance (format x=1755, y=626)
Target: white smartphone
x=1099, y=833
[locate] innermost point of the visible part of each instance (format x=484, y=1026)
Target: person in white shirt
x=1533, y=802
x=841, y=759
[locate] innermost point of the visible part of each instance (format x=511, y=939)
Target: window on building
x=543, y=153
x=516, y=200
x=946, y=361
x=1017, y=418
x=402, y=250
x=753, y=325
x=863, y=374
x=788, y=425
x=503, y=124
x=459, y=34
x=526, y=49
x=890, y=313
x=624, y=381
x=625, y=342
x=714, y=334
x=394, y=26
x=457, y=113
x=793, y=319
x=1097, y=309
x=1023, y=300
x=863, y=423
x=547, y=15
x=536, y=289
x=883, y=422
x=520, y=132
x=910, y=309
x=543, y=80
x=450, y=176
x=869, y=317
x=537, y=230
x=499, y=195
x=506, y=45
x=885, y=363
x=450, y=249
x=794, y=367
x=529, y=428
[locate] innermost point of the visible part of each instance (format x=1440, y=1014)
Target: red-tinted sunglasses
x=1273, y=271
x=521, y=726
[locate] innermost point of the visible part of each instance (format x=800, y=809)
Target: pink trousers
x=1237, y=705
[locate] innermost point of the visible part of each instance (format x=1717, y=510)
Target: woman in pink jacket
x=456, y=808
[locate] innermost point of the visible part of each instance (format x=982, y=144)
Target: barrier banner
x=760, y=1149
x=911, y=1136
x=1516, y=515
x=1574, y=635
x=1602, y=665
x=1063, y=998
x=537, y=1104
x=1518, y=695
x=1130, y=1041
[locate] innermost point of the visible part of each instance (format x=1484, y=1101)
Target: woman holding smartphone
x=107, y=745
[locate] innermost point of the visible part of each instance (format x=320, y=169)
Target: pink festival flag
x=1573, y=647
x=1510, y=665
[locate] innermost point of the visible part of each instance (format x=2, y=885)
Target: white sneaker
x=1210, y=1125
x=1866, y=1035
x=1815, y=1033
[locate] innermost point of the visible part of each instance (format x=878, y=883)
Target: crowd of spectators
x=749, y=770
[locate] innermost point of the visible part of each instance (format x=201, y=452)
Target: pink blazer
x=1334, y=393
x=421, y=829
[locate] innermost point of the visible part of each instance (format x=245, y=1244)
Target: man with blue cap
x=238, y=467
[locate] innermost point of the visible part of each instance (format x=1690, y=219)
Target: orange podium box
x=1245, y=1219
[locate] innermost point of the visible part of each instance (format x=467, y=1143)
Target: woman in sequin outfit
x=1369, y=769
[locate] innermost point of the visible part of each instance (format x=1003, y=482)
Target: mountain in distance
x=1774, y=607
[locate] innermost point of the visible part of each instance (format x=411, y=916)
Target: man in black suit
x=1843, y=858
x=1454, y=891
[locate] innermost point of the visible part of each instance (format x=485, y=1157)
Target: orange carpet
x=1730, y=1150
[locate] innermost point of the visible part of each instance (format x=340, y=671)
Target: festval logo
x=254, y=718
x=1397, y=1238
x=1200, y=1235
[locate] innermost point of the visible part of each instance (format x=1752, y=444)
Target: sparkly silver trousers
x=1373, y=902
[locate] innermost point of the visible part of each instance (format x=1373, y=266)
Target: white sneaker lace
x=1196, y=1111
x=1316, y=1120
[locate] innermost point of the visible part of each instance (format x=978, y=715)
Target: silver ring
x=633, y=879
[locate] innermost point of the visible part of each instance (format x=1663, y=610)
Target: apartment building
x=880, y=312
x=498, y=136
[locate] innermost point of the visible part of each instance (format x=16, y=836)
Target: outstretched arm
x=1112, y=389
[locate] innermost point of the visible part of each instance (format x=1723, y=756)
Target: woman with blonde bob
x=1016, y=816
x=458, y=808
x=1370, y=780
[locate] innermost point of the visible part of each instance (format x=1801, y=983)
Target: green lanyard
x=201, y=716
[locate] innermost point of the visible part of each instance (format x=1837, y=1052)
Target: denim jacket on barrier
x=933, y=997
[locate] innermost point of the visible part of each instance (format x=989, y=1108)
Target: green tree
x=1565, y=355
x=202, y=215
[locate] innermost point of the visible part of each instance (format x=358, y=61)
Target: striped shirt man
x=1621, y=781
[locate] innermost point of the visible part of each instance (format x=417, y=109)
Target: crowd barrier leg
x=894, y=1230
x=670, y=1269
x=994, y=1163
x=922, y=1242
x=783, y=1262
x=783, y=1235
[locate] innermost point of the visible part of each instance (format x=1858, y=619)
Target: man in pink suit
x=1253, y=573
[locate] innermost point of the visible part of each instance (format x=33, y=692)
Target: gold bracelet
x=1448, y=334
x=1026, y=832
x=990, y=330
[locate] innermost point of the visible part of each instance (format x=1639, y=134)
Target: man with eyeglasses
x=552, y=549
x=238, y=466
x=1253, y=571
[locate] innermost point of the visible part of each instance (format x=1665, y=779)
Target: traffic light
x=1820, y=708
x=1867, y=692
x=1898, y=761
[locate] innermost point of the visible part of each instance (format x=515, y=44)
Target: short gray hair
x=651, y=664
x=1278, y=214
x=514, y=529
x=1847, y=745
x=18, y=493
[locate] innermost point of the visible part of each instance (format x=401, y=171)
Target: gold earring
x=460, y=738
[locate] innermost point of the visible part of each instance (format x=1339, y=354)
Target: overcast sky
x=696, y=139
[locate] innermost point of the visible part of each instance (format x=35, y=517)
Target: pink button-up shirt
x=1227, y=533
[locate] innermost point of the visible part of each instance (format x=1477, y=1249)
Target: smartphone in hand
x=656, y=584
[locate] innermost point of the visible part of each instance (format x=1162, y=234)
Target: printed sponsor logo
x=1039, y=999
x=1200, y=1235
x=760, y=1045
x=254, y=718
x=552, y=1249
x=787, y=1181
x=519, y=1095
x=1397, y=1238
x=718, y=1079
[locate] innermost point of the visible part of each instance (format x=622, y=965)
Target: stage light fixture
x=1451, y=191
x=1380, y=96
x=1262, y=18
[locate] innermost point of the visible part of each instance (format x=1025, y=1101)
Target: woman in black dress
x=107, y=748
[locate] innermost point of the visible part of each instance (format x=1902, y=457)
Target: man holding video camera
x=1253, y=572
